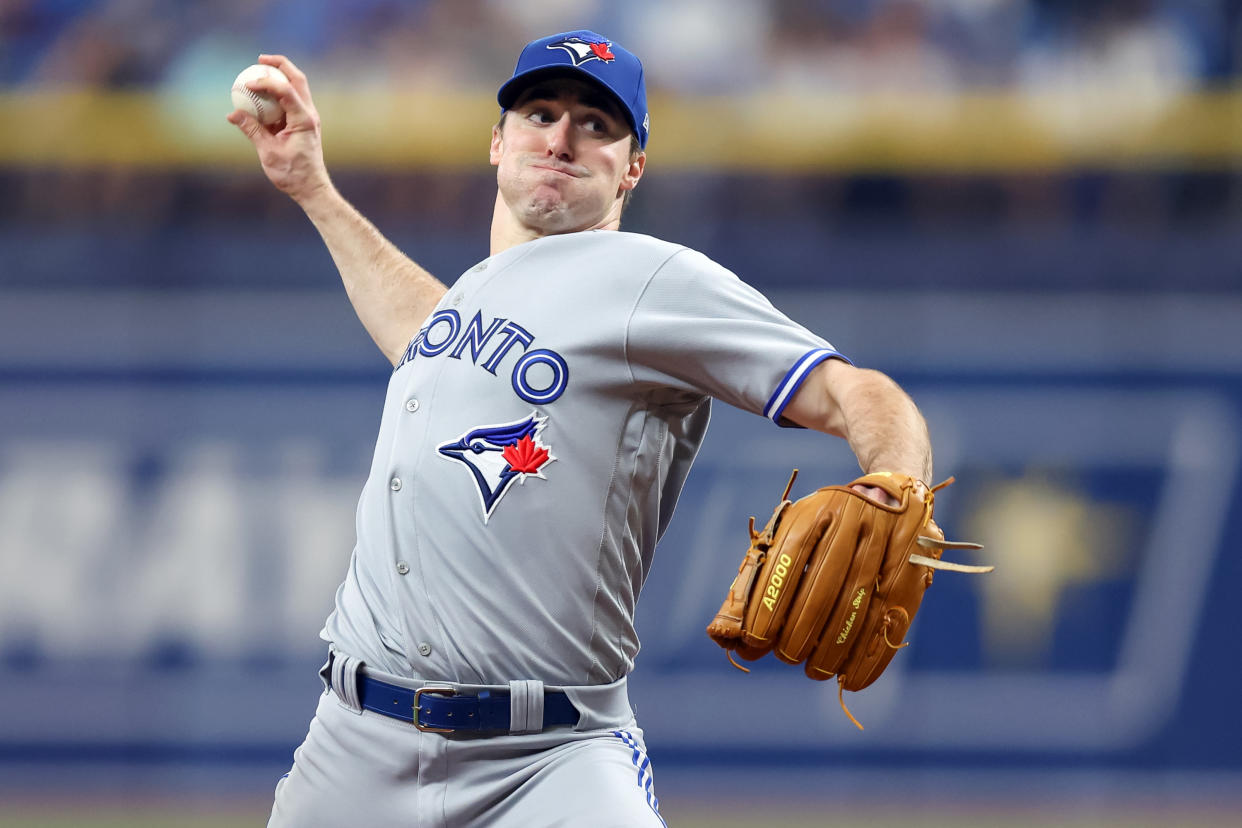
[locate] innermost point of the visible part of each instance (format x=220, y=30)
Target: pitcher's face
x=563, y=157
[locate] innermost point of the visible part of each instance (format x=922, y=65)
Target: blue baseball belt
x=440, y=709
x=445, y=710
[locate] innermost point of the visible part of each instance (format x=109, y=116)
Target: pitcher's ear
x=497, y=146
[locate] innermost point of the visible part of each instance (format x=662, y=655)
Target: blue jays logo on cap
x=587, y=55
x=499, y=455
x=580, y=51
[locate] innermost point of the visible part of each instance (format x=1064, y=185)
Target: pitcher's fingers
x=295, y=75
x=877, y=494
x=251, y=128
x=297, y=114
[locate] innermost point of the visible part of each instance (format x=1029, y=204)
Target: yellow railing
x=974, y=133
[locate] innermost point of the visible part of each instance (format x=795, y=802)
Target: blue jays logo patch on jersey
x=580, y=51
x=497, y=456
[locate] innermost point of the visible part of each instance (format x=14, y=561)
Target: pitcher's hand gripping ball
x=835, y=579
x=266, y=109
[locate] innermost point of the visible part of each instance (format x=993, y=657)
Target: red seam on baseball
x=258, y=104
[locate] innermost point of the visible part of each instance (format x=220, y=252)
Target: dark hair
x=635, y=150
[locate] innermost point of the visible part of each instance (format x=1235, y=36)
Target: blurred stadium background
x=1027, y=211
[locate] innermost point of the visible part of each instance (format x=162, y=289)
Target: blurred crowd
x=1144, y=51
x=690, y=46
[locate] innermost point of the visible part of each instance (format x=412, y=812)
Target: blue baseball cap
x=587, y=54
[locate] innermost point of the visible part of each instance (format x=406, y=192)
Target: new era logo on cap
x=584, y=54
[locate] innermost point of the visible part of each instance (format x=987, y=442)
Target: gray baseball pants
x=358, y=767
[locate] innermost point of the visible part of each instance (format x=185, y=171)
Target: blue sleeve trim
x=793, y=381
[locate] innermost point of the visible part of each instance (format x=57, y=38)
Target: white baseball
x=263, y=107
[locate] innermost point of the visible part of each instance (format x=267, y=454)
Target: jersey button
x=480, y=267
x=403, y=568
x=411, y=405
x=424, y=649
x=395, y=484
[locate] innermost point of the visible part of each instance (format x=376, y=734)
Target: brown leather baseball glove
x=835, y=579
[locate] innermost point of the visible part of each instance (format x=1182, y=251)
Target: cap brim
x=515, y=86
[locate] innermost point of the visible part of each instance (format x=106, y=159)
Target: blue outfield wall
x=179, y=465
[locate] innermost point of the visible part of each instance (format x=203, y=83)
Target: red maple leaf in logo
x=602, y=51
x=524, y=456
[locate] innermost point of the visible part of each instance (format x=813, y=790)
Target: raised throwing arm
x=391, y=294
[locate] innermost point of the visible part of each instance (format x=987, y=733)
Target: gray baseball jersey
x=534, y=440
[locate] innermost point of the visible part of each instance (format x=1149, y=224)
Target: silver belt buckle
x=418, y=695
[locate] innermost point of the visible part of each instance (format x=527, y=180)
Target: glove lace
x=891, y=644
x=841, y=699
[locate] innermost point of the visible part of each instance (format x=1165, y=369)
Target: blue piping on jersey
x=645, y=778
x=793, y=380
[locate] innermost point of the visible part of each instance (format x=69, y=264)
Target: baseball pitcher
x=540, y=421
